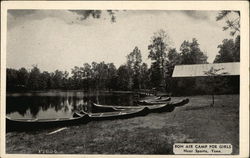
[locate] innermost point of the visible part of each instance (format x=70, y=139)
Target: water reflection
x=59, y=104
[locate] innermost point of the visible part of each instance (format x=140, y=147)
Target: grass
x=152, y=134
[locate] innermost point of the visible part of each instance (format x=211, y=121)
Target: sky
x=62, y=39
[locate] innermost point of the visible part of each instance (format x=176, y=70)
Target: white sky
x=58, y=40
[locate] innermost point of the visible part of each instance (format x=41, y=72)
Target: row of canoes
x=102, y=112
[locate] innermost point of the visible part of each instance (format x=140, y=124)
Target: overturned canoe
x=169, y=107
x=33, y=124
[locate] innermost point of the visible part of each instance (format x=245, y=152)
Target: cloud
x=86, y=17
x=202, y=16
x=198, y=15
x=21, y=12
x=19, y=17
x=49, y=39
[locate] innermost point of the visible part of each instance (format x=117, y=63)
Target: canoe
x=97, y=109
x=168, y=107
x=119, y=114
x=151, y=108
x=152, y=101
x=34, y=124
x=94, y=105
x=164, y=95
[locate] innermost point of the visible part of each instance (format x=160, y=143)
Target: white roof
x=196, y=70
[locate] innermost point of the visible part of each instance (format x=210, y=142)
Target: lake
x=58, y=104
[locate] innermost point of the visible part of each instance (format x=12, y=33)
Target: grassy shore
x=152, y=134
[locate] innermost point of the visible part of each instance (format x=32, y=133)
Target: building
x=199, y=70
x=194, y=80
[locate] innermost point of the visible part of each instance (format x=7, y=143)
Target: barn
x=198, y=70
x=193, y=79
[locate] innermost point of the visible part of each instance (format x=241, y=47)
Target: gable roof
x=196, y=70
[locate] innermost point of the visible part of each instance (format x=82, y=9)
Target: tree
x=225, y=52
x=191, y=53
x=173, y=58
x=100, y=74
x=12, y=78
x=86, y=70
x=232, y=20
x=57, y=78
x=77, y=76
x=145, y=78
x=214, y=82
x=112, y=76
x=34, y=78
x=134, y=60
x=236, y=51
x=155, y=74
x=45, y=82
x=65, y=77
x=229, y=51
x=124, y=82
x=87, y=76
x=84, y=14
x=160, y=44
x=23, y=76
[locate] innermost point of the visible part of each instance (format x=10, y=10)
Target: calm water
x=59, y=104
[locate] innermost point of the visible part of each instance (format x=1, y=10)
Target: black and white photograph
x=113, y=81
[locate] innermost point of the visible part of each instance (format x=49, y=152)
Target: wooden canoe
x=34, y=124
x=100, y=106
x=169, y=107
x=97, y=109
x=152, y=101
x=157, y=107
x=150, y=107
x=119, y=114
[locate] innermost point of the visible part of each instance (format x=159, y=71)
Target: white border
x=243, y=6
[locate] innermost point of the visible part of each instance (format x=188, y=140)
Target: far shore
x=10, y=93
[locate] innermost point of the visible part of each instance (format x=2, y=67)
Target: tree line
x=134, y=74
x=137, y=75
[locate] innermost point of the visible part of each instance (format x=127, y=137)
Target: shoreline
x=155, y=133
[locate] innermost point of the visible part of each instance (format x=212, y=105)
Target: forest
x=135, y=74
